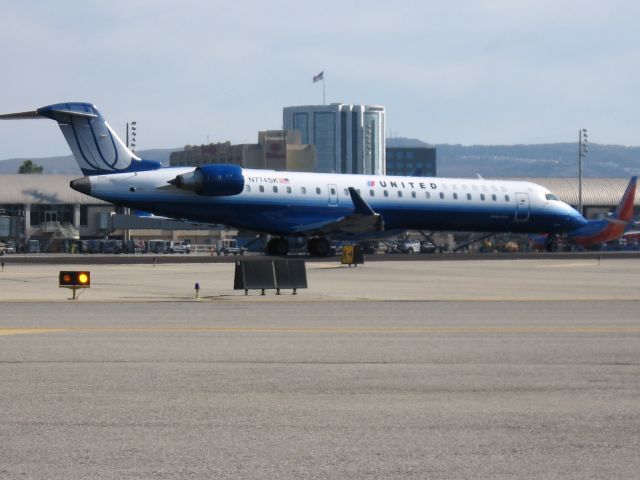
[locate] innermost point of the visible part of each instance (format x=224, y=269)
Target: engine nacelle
x=212, y=180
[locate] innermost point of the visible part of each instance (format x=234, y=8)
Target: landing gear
x=318, y=247
x=278, y=246
x=552, y=244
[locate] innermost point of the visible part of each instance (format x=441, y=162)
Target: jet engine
x=212, y=180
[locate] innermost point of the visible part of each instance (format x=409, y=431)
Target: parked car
x=409, y=246
x=428, y=247
x=10, y=247
x=182, y=247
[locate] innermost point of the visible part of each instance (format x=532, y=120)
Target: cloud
x=462, y=72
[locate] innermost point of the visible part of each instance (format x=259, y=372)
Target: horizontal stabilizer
x=616, y=221
x=20, y=115
x=47, y=112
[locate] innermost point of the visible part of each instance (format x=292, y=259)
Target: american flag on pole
x=318, y=77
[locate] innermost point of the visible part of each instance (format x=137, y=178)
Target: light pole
x=582, y=152
x=131, y=135
x=131, y=143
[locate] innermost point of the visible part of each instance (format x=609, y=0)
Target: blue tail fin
x=96, y=147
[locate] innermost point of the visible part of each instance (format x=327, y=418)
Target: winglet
x=361, y=207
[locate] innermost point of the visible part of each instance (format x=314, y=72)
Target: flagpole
x=324, y=100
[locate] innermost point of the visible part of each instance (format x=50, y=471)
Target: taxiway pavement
x=517, y=369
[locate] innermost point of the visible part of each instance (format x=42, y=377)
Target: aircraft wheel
x=552, y=246
x=278, y=246
x=319, y=247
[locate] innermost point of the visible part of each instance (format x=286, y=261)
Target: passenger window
x=482, y=197
x=468, y=196
x=494, y=197
x=333, y=191
x=441, y=195
x=303, y=190
x=413, y=194
x=399, y=193
x=386, y=193
x=247, y=188
x=288, y=189
x=455, y=196
x=506, y=198
x=427, y=194
x=372, y=193
x=275, y=189
x=318, y=191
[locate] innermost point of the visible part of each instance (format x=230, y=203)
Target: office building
x=275, y=150
x=411, y=161
x=348, y=138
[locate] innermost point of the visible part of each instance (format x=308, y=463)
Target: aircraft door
x=333, y=195
x=522, y=207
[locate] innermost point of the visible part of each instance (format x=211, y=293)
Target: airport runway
x=405, y=381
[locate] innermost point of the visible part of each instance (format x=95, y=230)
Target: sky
x=191, y=71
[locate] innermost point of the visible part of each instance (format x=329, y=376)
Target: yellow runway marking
x=571, y=265
x=24, y=331
x=344, y=331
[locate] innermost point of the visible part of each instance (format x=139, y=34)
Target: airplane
x=316, y=207
x=604, y=230
x=610, y=228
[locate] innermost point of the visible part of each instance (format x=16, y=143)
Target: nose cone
x=82, y=185
x=575, y=220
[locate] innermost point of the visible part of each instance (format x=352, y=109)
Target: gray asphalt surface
x=348, y=389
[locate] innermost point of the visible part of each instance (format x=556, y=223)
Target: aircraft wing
x=362, y=220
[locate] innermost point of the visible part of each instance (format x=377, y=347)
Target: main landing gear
x=278, y=246
x=317, y=246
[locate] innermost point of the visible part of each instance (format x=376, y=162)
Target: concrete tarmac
x=523, y=369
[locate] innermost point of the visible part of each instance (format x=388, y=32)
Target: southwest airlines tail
x=96, y=147
x=610, y=228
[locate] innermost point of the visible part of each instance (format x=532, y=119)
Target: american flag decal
x=371, y=183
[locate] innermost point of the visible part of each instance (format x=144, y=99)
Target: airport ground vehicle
x=158, y=246
x=409, y=246
x=10, y=247
x=182, y=247
x=33, y=246
x=229, y=246
x=428, y=247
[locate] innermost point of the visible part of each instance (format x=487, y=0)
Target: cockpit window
x=551, y=196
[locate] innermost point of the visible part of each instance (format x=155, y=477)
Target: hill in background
x=545, y=160
x=67, y=165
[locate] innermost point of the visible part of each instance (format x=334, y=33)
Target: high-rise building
x=348, y=138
